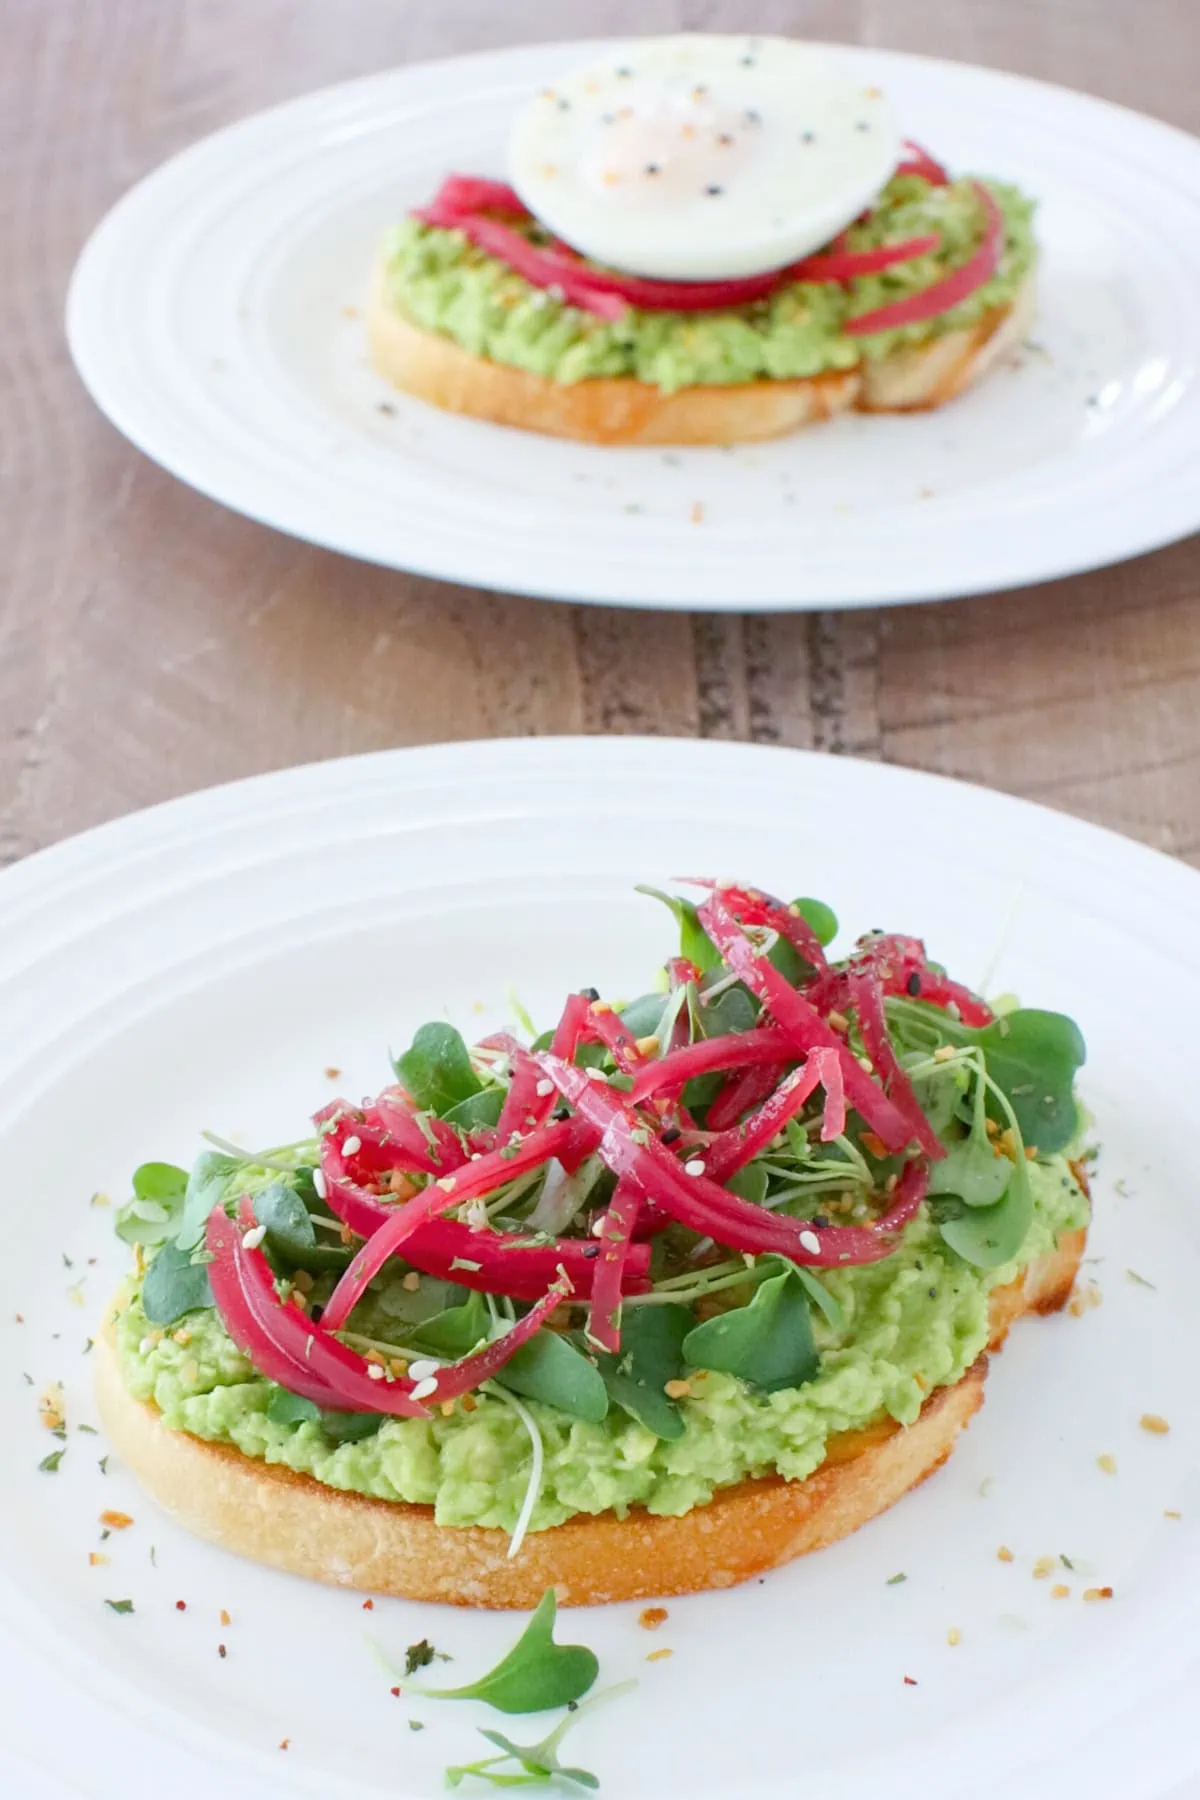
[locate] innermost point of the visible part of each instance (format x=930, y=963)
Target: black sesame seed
x=590, y=993
x=315, y=1314
x=751, y=117
x=748, y=62
x=625, y=73
x=862, y=125
x=652, y=169
x=933, y=1293
x=714, y=188
x=561, y=1112
x=914, y=984
x=819, y=1221
x=590, y=1251
x=672, y=1136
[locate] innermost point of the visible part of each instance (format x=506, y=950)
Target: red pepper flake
x=396, y=1692
x=909, y=1682
x=181, y=1606
x=652, y=1617
x=221, y=1651
x=368, y=1606
x=332, y=1073
x=284, y=1743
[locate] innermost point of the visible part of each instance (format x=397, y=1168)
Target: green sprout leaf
x=990, y=1236
x=694, y=941
x=973, y=1171
x=768, y=1343
x=339, y=1427
x=175, y=1285
x=477, y=1111
x=820, y=917
x=205, y=1189
x=435, y=1071
x=651, y=1354
x=538, y=1763
x=291, y=1235
x=552, y=1369
x=119, y=1606
x=150, y=1217
x=536, y=1674
x=1033, y=1057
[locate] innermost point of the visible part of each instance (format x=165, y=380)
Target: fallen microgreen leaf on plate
x=538, y=1763
x=536, y=1674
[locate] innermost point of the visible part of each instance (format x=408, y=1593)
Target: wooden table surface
x=152, y=643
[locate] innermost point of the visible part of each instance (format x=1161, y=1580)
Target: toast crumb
x=651, y=1617
x=1059, y=1592
x=1004, y=1554
x=1044, y=1567
x=954, y=1636
x=1098, y=1593
x=1154, y=1423
x=1107, y=1464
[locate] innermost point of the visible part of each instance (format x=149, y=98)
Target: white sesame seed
x=545, y=1087
x=810, y=1241
x=254, y=1237
x=446, y=1183
x=423, y=1369
x=351, y=1146
x=596, y=1075
x=375, y=1371
x=320, y=1185
x=695, y=1166
x=598, y=1227
x=424, y=1388
x=145, y=1347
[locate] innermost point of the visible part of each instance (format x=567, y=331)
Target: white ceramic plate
x=201, y=964
x=216, y=318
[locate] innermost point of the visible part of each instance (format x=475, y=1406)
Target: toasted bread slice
x=621, y=410
x=292, y=1522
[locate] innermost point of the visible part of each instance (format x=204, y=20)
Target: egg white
x=699, y=157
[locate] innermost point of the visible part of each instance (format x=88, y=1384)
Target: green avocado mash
x=913, y=1322
x=443, y=284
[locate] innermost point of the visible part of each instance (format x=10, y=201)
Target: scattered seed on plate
x=1107, y=1463
x=659, y=1655
x=1004, y=1554
x=1154, y=1423
x=954, y=1636
x=1059, y=1592
x=1098, y=1593
x=1044, y=1566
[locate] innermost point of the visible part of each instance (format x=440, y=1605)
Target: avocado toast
x=650, y=1304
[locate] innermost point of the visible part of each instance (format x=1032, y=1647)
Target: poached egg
x=699, y=157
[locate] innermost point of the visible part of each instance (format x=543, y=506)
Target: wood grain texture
x=152, y=643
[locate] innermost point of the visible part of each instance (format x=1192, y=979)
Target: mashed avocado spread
x=911, y=1323
x=440, y=282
